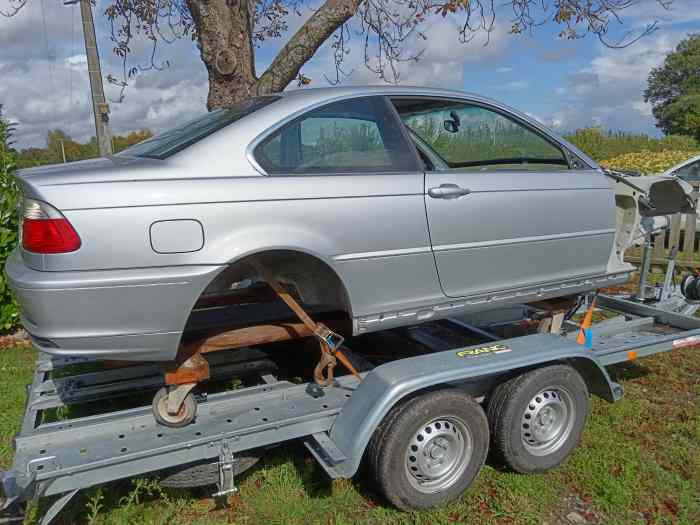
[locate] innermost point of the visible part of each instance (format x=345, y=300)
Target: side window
x=689, y=172
x=467, y=135
x=355, y=135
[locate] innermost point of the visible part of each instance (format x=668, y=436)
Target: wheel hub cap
x=437, y=454
x=547, y=421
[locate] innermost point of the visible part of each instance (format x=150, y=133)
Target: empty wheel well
x=239, y=293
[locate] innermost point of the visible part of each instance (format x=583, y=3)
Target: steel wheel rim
x=438, y=454
x=547, y=421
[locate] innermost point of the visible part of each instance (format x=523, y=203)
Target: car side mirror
x=450, y=126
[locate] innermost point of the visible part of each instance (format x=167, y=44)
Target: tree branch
x=302, y=46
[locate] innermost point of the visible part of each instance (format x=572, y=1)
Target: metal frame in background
x=335, y=423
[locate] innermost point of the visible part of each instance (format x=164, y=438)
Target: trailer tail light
x=45, y=230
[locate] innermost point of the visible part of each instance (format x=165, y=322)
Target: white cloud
x=609, y=91
x=45, y=84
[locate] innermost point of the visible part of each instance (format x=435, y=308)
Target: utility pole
x=100, y=107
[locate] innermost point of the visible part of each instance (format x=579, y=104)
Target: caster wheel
x=185, y=416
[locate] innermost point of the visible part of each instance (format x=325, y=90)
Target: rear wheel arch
x=316, y=280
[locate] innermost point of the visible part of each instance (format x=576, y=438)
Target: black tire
x=388, y=455
x=519, y=424
x=187, y=413
x=205, y=473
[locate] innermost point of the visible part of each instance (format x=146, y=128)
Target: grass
x=639, y=462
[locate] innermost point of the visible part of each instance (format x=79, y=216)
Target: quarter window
x=689, y=172
x=355, y=135
x=177, y=139
x=471, y=136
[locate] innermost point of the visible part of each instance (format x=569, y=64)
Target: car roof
x=313, y=95
x=244, y=134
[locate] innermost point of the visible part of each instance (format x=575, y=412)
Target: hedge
x=9, y=313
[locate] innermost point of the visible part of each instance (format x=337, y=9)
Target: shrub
x=648, y=162
x=9, y=313
x=601, y=145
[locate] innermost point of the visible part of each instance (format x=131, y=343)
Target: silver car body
x=688, y=170
x=157, y=233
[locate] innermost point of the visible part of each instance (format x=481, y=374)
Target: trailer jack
x=227, y=467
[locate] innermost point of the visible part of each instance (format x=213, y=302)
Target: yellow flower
x=648, y=162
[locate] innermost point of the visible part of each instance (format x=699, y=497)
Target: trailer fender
x=389, y=383
x=597, y=379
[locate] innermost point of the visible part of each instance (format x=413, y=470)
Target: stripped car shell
x=645, y=206
x=384, y=231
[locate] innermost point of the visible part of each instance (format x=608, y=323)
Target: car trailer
x=525, y=397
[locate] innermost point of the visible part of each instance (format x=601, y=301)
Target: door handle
x=448, y=191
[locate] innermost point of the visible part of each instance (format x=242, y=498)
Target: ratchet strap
x=329, y=340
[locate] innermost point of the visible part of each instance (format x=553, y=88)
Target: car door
x=353, y=192
x=507, y=209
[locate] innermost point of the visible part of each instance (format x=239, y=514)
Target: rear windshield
x=174, y=140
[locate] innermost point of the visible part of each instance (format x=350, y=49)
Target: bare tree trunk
x=225, y=41
x=225, y=29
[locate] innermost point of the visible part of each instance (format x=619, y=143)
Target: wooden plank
x=248, y=336
x=689, y=234
x=661, y=261
x=658, y=250
x=689, y=237
x=675, y=231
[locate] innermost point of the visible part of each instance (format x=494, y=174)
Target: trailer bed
x=63, y=456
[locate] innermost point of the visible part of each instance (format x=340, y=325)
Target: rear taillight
x=45, y=230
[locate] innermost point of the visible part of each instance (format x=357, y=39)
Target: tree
x=228, y=31
x=674, y=90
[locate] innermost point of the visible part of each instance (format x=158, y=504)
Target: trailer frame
x=335, y=423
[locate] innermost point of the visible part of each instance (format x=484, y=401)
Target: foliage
x=482, y=135
x=601, y=145
x=674, y=89
x=9, y=314
x=648, y=162
x=57, y=141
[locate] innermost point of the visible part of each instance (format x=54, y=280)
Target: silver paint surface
x=400, y=254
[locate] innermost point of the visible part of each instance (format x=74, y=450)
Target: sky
x=564, y=84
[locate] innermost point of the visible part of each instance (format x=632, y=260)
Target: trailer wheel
x=429, y=449
x=537, y=418
x=184, y=417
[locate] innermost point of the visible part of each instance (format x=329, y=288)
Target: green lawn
x=639, y=462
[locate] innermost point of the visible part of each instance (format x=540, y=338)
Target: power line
x=70, y=70
x=46, y=44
